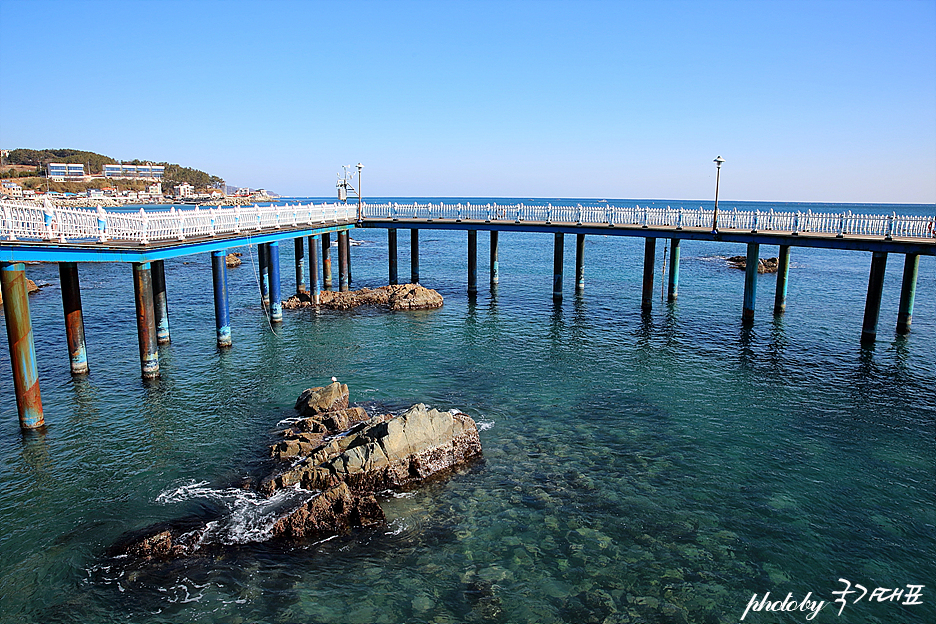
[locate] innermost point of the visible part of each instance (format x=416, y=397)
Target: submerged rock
x=233, y=259
x=764, y=265
x=396, y=297
x=30, y=289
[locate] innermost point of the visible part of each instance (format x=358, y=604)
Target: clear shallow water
x=659, y=468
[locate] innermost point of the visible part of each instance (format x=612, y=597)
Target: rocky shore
x=334, y=459
x=395, y=297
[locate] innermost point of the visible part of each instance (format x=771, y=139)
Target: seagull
x=334, y=379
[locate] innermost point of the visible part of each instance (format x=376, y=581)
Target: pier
x=145, y=239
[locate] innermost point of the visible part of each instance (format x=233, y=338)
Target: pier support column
x=579, y=263
x=392, y=255
x=146, y=319
x=907, y=293
x=343, y=253
x=276, y=298
x=414, y=256
x=263, y=259
x=160, y=302
x=783, y=274
x=314, y=268
x=495, y=268
x=558, y=248
x=472, y=262
x=873, y=302
x=74, y=322
x=22, y=345
x=326, y=262
x=222, y=314
x=672, y=283
x=750, y=281
x=300, y=265
x=646, y=296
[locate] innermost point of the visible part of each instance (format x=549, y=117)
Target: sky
x=825, y=100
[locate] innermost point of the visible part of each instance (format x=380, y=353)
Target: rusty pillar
x=74, y=322
x=22, y=345
x=146, y=319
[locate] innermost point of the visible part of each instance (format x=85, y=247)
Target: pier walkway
x=31, y=232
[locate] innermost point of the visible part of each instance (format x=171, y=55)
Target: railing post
x=8, y=218
x=222, y=313
x=22, y=345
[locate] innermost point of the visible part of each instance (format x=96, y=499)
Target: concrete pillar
x=579, y=263
x=343, y=272
x=314, y=268
x=472, y=262
x=907, y=293
x=300, y=265
x=146, y=319
x=326, y=261
x=22, y=345
x=74, y=322
x=276, y=298
x=219, y=280
x=414, y=256
x=495, y=268
x=783, y=274
x=160, y=302
x=558, y=248
x=672, y=284
x=646, y=297
x=750, y=281
x=873, y=302
x=392, y=255
x=263, y=256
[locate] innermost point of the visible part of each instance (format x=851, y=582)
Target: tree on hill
x=39, y=158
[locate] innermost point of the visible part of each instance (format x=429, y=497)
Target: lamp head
x=718, y=161
x=360, y=166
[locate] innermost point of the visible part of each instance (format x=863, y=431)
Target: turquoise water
x=637, y=468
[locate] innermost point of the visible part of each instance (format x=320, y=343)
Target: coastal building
x=57, y=172
x=151, y=172
x=12, y=189
x=184, y=190
x=155, y=189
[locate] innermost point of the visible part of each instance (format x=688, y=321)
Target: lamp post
x=360, y=212
x=718, y=161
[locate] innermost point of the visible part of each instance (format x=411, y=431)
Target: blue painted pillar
x=646, y=297
x=783, y=274
x=22, y=345
x=414, y=256
x=873, y=302
x=672, y=285
x=558, y=244
x=326, y=262
x=392, y=255
x=263, y=259
x=160, y=302
x=472, y=262
x=750, y=281
x=314, y=268
x=579, y=263
x=495, y=269
x=344, y=273
x=222, y=314
x=74, y=322
x=907, y=293
x=276, y=298
x=146, y=319
x=300, y=265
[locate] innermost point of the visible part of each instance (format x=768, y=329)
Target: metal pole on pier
x=495, y=268
x=74, y=322
x=343, y=272
x=672, y=286
x=414, y=256
x=160, y=302
x=276, y=299
x=313, y=268
x=646, y=298
x=219, y=280
x=907, y=293
x=873, y=302
x=392, y=255
x=472, y=262
x=326, y=261
x=750, y=281
x=558, y=244
x=22, y=345
x=263, y=254
x=579, y=263
x=146, y=319
x=783, y=273
x=718, y=163
x=299, y=245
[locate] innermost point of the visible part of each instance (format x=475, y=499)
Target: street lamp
x=718, y=161
x=360, y=212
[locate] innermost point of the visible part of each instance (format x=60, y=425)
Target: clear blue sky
x=807, y=101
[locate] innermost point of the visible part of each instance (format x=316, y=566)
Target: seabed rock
x=395, y=297
x=233, y=259
x=764, y=265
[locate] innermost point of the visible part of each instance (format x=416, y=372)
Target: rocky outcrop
x=336, y=510
x=30, y=289
x=764, y=265
x=233, y=259
x=395, y=297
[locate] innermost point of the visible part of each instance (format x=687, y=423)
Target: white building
x=12, y=189
x=184, y=190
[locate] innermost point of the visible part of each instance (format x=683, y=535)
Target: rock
x=30, y=289
x=764, y=265
x=396, y=297
x=320, y=400
x=335, y=510
x=233, y=259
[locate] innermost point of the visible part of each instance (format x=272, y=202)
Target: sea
x=672, y=466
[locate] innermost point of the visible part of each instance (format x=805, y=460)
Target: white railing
x=21, y=220
x=31, y=221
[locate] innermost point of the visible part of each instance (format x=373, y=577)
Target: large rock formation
x=764, y=265
x=395, y=297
